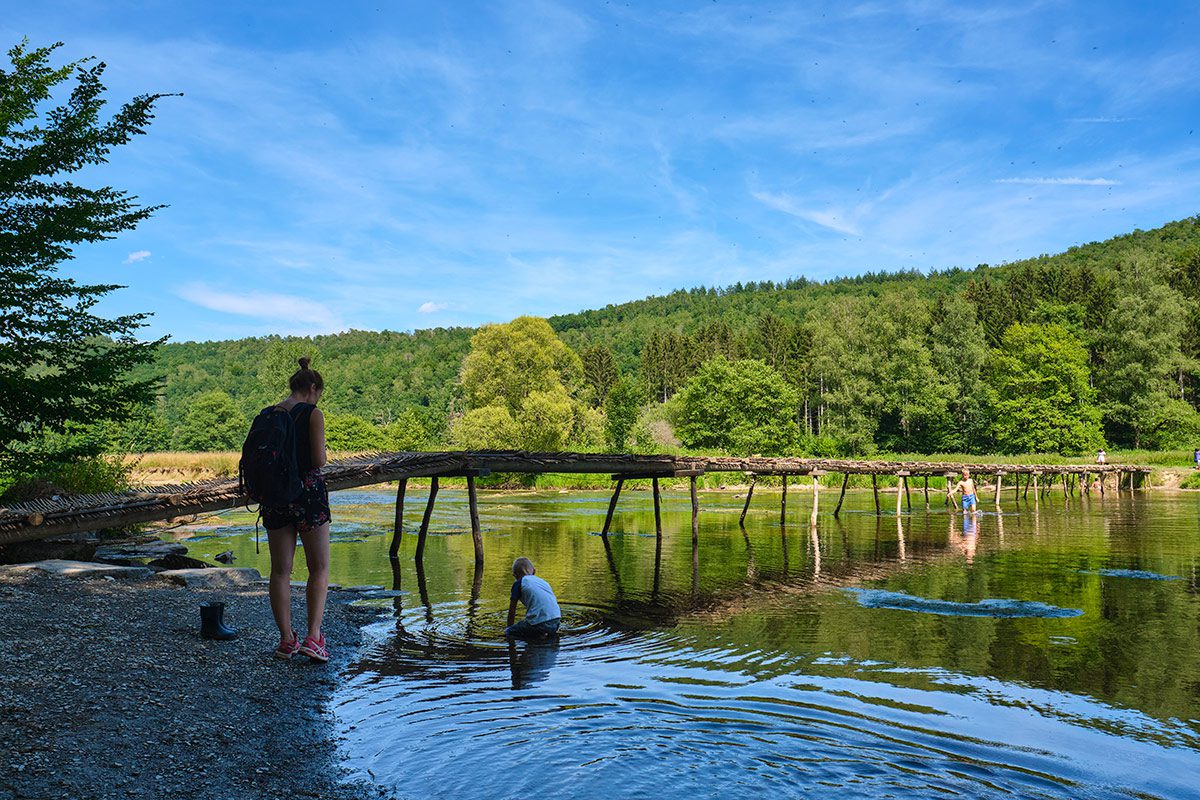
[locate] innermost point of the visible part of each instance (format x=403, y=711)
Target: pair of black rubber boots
x=212, y=622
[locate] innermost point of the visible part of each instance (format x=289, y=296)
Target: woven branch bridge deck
x=73, y=513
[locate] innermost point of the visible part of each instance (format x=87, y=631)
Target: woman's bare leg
x=282, y=545
x=316, y=554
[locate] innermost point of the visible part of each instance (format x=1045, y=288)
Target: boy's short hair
x=522, y=566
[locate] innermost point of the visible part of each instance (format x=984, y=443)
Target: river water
x=1050, y=652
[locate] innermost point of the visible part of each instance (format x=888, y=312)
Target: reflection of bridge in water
x=827, y=562
x=60, y=515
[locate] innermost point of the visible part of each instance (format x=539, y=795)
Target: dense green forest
x=1096, y=346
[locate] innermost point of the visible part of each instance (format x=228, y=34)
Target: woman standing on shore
x=306, y=517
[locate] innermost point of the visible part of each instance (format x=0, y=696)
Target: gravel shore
x=108, y=691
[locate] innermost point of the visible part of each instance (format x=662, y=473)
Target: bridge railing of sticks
x=61, y=515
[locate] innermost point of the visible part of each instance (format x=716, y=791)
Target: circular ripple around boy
x=542, y=616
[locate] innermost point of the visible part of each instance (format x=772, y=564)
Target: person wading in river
x=967, y=487
x=306, y=516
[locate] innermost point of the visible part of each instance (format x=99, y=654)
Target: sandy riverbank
x=108, y=691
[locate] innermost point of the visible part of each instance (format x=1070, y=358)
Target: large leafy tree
x=508, y=362
x=621, y=412
x=959, y=353
x=213, y=422
x=521, y=383
x=741, y=407
x=1043, y=399
x=62, y=366
x=1141, y=361
x=599, y=372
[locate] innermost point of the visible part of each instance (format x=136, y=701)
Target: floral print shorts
x=309, y=510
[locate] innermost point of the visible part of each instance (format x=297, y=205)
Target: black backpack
x=268, y=473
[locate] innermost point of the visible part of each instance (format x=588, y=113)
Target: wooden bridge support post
x=657, y=514
x=842, y=496
x=950, y=499
x=899, y=493
x=926, y=492
x=476, y=530
x=398, y=528
x=424, y=530
x=816, y=479
x=1066, y=493
x=695, y=517
x=999, y=485
x=875, y=489
x=612, y=506
x=1034, y=479
x=749, y=494
x=783, y=503
x=907, y=496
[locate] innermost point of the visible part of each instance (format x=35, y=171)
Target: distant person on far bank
x=1101, y=457
x=281, y=466
x=966, y=486
x=1196, y=458
x=542, y=616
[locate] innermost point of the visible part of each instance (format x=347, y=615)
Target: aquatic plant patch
x=990, y=607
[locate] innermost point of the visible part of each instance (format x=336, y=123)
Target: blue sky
x=414, y=165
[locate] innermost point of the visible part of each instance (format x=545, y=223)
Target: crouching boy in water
x=542, y=616
x=967, y=487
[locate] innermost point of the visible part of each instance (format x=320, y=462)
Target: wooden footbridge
x=60, y=515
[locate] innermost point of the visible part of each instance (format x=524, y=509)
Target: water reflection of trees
x=747, y=589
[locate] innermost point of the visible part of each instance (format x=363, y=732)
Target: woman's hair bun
x=304, y=362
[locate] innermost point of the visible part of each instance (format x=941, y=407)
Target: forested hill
x=905, y=360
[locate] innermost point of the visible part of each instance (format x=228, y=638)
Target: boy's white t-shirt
x=538, y=598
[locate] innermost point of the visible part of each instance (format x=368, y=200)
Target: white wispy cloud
x=136, y=256
x=430, y=307
x=834, y=219
x=300, y=314
x=1060, y=181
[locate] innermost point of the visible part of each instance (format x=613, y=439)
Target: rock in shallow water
x=79, y=569
x=125, y=552
x=213, y=577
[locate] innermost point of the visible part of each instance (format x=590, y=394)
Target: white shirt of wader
x=538, y=598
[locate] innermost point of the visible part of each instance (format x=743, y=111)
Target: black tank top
x=302, y=417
